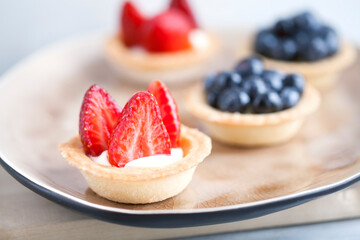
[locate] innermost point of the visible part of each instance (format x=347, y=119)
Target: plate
x=40, y=100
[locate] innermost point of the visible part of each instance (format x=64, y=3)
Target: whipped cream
x=160, y=160
x=199, y=39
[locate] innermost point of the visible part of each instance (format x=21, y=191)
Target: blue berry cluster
x=299, y=38
x=251, y=89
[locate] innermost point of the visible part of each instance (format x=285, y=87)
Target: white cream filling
x=199, y=39
x=160, y=160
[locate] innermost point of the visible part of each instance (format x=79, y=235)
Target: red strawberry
x=183, y=6
x=168, y=110
x=131, y=23
x=140, y=131
x=167, y=32
x=98, y=117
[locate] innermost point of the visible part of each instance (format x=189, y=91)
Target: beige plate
x=40, y=101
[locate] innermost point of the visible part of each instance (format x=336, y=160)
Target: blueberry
x=211, y=99
x=235, y=79
x=296, y=81
x=273, y=79
x=290, y=97
x=302, y=40
x=306, y=21
x=209, y=81
x=284, y=27
x=250, y=66
x=286, y=50
x=267, y=103
x=265, y=42
x=330, y=38
x=316, y=49
x=229, y=100
x=254, y=86
x=244, y=101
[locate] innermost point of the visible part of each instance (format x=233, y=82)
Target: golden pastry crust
x=137, y=185
x=197, y=105
x=118, y=53
x=252, y=129
x=195, y=145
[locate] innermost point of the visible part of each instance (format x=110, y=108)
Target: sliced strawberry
x=140, y=131
x=98, y=117
x=131, y=22
x=168, y=110
x=184, y=7
x=167, y=32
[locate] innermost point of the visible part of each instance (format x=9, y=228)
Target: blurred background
x=26, y=26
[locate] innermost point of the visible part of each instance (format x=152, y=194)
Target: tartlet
x=252, y=129
x=126, y=155
x=322, y=74
x=176, y=67
x=303, y=44
x=137, y=185
x=170, y=45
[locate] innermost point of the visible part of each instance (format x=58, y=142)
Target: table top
x=24, y=214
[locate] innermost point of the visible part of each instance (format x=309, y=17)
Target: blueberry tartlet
x=170, y=45
x=303, y=44
x=251, y=106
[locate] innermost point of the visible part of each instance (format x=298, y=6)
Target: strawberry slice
x=131, y=23
x=140, y=131
x=183, y=6
x=98, y=117
x=168, y=110
x=167, y=32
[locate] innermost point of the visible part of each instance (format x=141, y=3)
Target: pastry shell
x=140, y=185
x=144, y=67
x=252, y=129
x=322, y=74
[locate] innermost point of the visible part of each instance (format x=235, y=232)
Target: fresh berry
x=168, y=110
x=131, y=23
x=307, y=21
x=140, y=131
x=183, y=6
x=211, y=99
x=265, y=42
x=296, y=81
x=273, y=79
x=330, y=38
x=233, y=100
x=290, y=97
x=167, y=32
x=316, y=50
x=285, y=50
x=98, y=117
x=254, y=86
x=267, y=103
x=250, y=66
x=284, y=27
x=217, y=83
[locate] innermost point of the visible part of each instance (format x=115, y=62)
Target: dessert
x=140, y=154
x=303, y=44
x=171, y=45
x=251, y=106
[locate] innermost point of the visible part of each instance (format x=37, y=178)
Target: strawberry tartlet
x=171, y=45
x=140, y=154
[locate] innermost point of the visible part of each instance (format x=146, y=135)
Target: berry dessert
x=305, y=45
x=170, y=45
x=138, y=154
x=253, y=106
